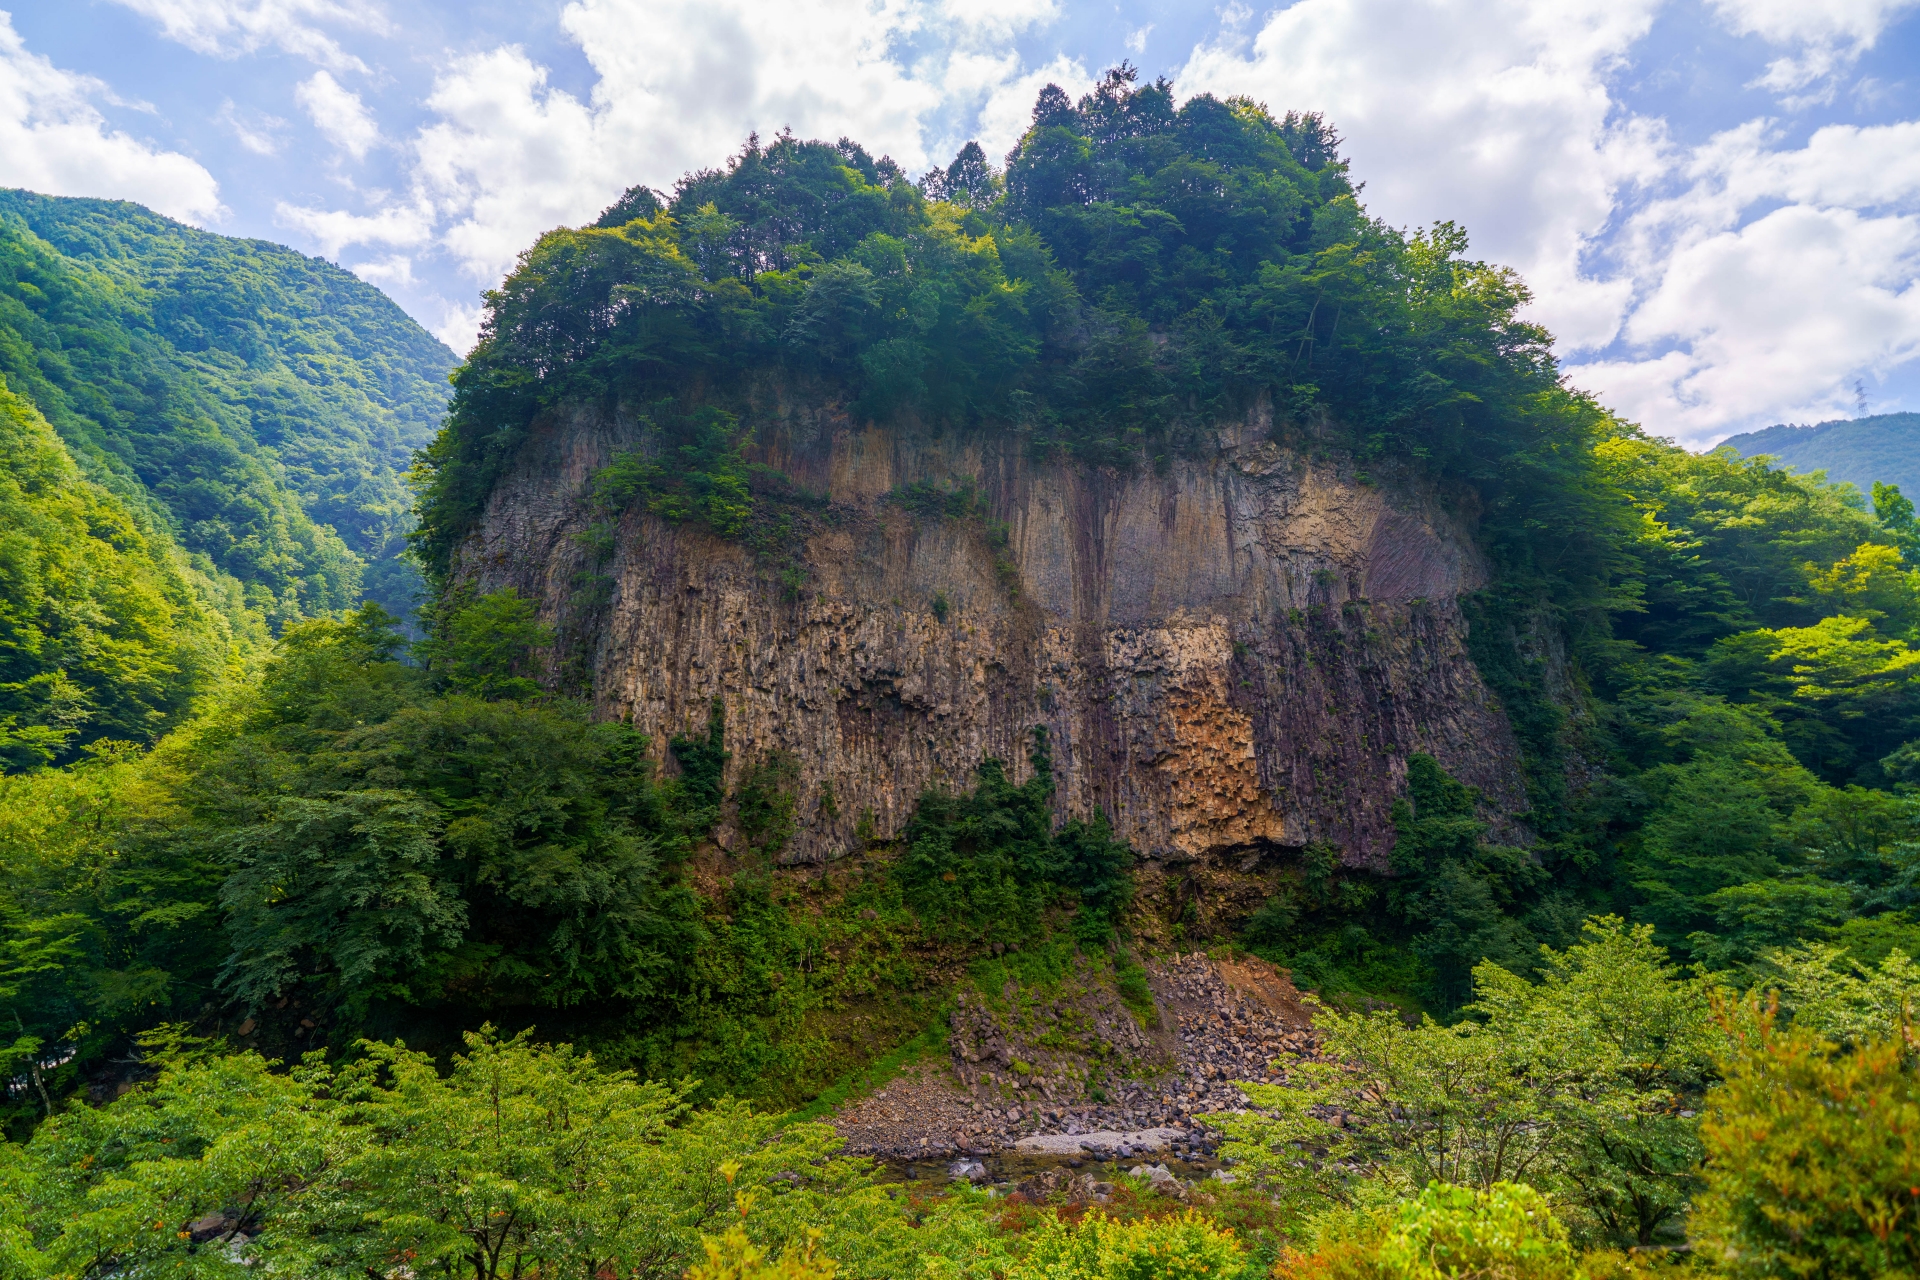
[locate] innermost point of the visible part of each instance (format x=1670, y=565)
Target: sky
x=1716, y=203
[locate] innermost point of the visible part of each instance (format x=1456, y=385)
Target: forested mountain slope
x=106, y=629
x=262, y=404
x=1859, y=451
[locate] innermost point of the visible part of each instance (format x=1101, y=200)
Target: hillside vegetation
x=1680, y=1013
x=262, y=405
x=1862, y=452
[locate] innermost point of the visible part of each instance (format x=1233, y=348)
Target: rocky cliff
x=1234, y=652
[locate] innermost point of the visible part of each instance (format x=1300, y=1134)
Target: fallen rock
x=1103, y=1142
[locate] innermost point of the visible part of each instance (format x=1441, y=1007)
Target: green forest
x=1860, y=451
x=260, y=406
x=333, y=949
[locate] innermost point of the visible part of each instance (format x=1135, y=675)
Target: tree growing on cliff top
x=1140, y=271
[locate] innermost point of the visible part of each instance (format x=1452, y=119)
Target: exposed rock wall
x=1234, y=653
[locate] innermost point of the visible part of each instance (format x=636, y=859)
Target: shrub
x=1576, y=1083
x=1506, y=1232
x=483, y=646
x=1813, y=1156
x=1099, y=1248
x=734, y=1257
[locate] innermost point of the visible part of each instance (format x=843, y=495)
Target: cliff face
x=1234, y=653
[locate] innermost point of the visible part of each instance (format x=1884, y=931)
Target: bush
x=1506, y=1232
x=735, y=1257
x=990, y=860
x=1813, y=1156
x=1099, y=1248
x=520, y=1160
x=1576, y=1083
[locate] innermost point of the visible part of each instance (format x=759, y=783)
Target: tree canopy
x=262, y=405
x=1138, y=272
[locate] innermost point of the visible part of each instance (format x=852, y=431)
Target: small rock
x=971, y=1170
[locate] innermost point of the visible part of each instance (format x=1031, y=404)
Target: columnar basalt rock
x=1234, y=649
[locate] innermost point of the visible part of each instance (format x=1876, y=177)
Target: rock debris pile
x=1063, y=1065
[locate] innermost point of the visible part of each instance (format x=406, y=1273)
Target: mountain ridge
x=1857, y=451
x=249, y=390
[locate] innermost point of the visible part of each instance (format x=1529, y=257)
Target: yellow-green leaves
x=1813, y=1158
x=1188, y=1247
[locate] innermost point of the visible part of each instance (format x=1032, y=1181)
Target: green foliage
x=99, y=937
x=385, y=844
x=766, y=802
x=1100, y=1248
x=1813, y=1156
x=1452, y=900
x=523, y=1159
x=1505, y=1230
x=105, y=631
x=1831, y=994
x=484, y=647
x=692, y=470
x=1862, y=452
x=734, y=1256
x=1894, y=511
x=991, y=862
x=1572, y=1084
x=1456, y=891
x=1139, y=272
x=703, y=769
x=259, y=405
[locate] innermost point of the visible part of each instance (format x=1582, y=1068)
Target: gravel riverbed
x=1216, y=1022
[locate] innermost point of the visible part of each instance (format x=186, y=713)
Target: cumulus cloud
x=1772, y=280
x=507, y=155
x=53, y=139
x=1827, y=38
x=230, y=28
x=402, y=226
x=1697, y=290
x=1496, y=115
x=1773, y=319
x=338, y=113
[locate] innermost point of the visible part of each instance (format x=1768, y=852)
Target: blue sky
x=1716, y=202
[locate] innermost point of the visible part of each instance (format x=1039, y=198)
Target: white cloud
x=1776, y=320
x=1829, y=37
x=53, y=139
x=1497, y=115
x=230, y=28
x=393, y=271
x=680, y=84
x=254, y=131
x=998, y=20
x=1771, y=316
x=458, y=325
x=1006, y=99
x=1698, y=290
x=403, y=226
x=338, y=113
